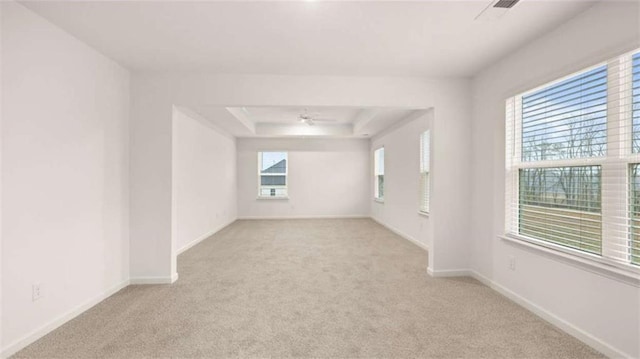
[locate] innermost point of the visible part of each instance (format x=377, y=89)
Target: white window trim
x=421, y=210
x=375, y=175
x=591, y=262
x=610, y=262
x=272, y=198
x=286, y=174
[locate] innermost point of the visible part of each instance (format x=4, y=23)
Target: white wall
x=325, y=178
x=601, y=310
x=1, y=112
x=153, y=95
x=204, y=178
x=65, y=111
x=399, y=211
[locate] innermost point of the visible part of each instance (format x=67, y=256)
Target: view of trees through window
x=634, y=171
x=562, y=205
x=567, y=120
x=563, y=122
x=573, y=162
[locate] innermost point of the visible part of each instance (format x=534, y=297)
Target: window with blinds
x=573, y=163
x=425, y=148
x=634, y=168
x=378, y=174
x=272, y=174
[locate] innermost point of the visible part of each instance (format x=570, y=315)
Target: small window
x=378, y=172
x=425, y=148
x=272, y=173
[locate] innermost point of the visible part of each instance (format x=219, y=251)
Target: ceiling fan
x=311, y=119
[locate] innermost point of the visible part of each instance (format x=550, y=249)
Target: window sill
x=273, y=198
x=422, y=213
x=618, y=271
x=379, y=200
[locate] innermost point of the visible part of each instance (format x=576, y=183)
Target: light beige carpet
x=308, y=288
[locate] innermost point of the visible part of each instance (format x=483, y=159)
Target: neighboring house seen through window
x=272, y=173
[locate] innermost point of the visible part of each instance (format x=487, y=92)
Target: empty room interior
x=320, y=179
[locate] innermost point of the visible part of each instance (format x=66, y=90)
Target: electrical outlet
x=512, y=263
x=36, y=291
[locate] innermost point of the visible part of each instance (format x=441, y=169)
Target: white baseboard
x=482, y=279
x=20, y=344
x=154, y=280
x=553, y=319
x=562, y=324
x=307, y=217
x=449, y=273
x=203, y=237
x=402, y=234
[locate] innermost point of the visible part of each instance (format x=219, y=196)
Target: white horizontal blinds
x=634, y=169
x=565, y=121
x=615, y=166
x=425, y=147
x=572, y=166
x=272, y=174
x=378, y=169
x=510, y=181
x=635, y=91
x=635, y=213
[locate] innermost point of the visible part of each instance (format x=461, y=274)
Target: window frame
x=260, y=174
x=619, y=154
x=376, y=189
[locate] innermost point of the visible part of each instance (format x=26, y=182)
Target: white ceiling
x=349, y=38
x=291, y=115
x=282, y=121
x=434, y=38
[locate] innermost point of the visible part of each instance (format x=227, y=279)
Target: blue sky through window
x=566, y=120
x=271, y=158
x=379, y=153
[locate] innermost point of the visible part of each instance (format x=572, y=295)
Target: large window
x=378, y=173
x=425, y=148
x=634, y=169
x=272, y=174
x=572, y=172
x=636, y=101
